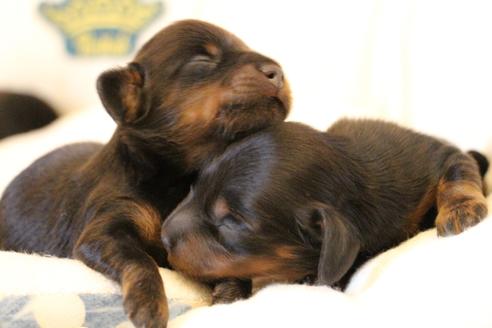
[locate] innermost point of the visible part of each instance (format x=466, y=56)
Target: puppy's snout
x=167, y=241
x=274, y=74
x=170, y=231
x=181, y=221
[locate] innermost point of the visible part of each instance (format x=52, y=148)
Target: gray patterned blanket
x=71, y=310
x=46, y=292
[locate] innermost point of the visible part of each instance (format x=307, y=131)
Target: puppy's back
x=393, y=152
x=28, y=219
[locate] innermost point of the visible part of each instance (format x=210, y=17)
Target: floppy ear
x=339, y=246
x=121, y=93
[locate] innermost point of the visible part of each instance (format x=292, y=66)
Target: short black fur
x=291, y=202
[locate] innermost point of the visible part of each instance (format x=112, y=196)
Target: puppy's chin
x=238, y=119
x=260, y=104
x=210, y=267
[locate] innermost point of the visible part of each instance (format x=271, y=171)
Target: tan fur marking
x=449, y=191
x=212, y=262
x=461, y=205
x=144, y=300
x=130, y=275
x=131, y=94
x=424, y=205
x=221, y=208
x=148, y=221
x=286, y=252
x=131, y=102
x=202, y=107
x=212, y=49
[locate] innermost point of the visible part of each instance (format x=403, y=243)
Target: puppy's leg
x=114, y=247
x=230, y=290
x=460, y=200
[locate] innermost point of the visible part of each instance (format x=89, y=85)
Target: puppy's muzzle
x=177, y=223
x=265, y=79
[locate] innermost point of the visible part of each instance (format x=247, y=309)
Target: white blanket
x=49, y=292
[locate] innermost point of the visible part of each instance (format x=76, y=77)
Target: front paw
x=146, y=308
x=454, y=219
x=231, y=290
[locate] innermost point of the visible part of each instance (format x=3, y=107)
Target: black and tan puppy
x=190, y=91
x=291, y=202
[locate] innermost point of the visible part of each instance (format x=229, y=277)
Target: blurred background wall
x=426, y=64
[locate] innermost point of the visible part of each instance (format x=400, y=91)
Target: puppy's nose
x=167, y=242
x=273, y=73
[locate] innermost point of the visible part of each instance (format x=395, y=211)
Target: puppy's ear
x=339, y=245
x=121, y=92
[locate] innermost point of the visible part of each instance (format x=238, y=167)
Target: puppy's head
x=193, y=86
x=265, y=209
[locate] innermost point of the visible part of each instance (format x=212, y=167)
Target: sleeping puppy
x=190, y=91
x=291, y=202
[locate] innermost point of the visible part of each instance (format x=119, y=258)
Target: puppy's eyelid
x=202, y=62
x=223, y=215
x=201, y=58
x=232, y=221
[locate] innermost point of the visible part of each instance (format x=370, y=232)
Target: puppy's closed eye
x=200, y=66
x=224, y=219
x=202, y=60
x=205, y=61
x=230, y=222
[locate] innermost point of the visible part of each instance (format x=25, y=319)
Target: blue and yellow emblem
x=101, y=27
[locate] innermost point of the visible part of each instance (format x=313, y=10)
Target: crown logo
x=100, y=27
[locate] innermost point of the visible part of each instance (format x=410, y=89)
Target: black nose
x=274, y=74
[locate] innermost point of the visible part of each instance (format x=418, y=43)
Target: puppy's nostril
x=273, y=73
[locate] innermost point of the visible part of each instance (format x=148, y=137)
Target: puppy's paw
x=455, y=218
x=146, y=309
x=231, y=290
